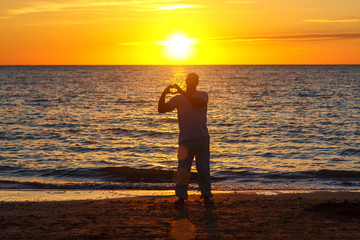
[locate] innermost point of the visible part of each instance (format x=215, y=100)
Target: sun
x=179, y=47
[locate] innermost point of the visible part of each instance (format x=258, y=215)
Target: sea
x=293, y=127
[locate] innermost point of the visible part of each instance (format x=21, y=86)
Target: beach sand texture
x=317, y=215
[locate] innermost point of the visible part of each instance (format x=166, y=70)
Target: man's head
x=192, y=80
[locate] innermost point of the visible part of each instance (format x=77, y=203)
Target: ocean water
x=97, y=127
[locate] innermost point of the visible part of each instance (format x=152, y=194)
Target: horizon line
x=231, y=64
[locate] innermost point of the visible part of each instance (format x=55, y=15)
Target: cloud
x=258, y=39
x=241, y=2
x=40, y=7
x=54, y=7
x=290, y=37
x=189, y=41
x=135, y=44
x=333, y=20
x=174, y=7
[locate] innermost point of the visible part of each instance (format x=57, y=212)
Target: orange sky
x=221, y=32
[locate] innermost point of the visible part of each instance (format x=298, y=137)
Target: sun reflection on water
x=178, y=77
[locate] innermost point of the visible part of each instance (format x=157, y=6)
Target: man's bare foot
x=208, y=200
x=180, y=201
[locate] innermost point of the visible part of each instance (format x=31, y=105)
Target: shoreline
x=26, y=195
x=311, y=215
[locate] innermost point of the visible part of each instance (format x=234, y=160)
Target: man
x=194, y=139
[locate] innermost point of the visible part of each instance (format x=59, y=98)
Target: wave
x=159, y=179
x=41, y=185
x=107, y=178
x=156, y=175
x=137, y=132
x=350, y=152
x=106, y=174
x=300, y=175
x=127, y=101
x=336, y=174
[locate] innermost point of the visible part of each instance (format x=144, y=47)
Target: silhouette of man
x=194, y=139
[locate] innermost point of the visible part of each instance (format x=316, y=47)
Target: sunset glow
x=179, y=47
x=179, y=32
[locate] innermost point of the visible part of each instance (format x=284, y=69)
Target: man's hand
x=168, y=89
x=178, y=89
x=163, y=107
x=197, y=101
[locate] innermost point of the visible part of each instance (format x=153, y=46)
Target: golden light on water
x=178, y=77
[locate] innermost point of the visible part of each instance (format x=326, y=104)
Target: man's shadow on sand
x=183, y=228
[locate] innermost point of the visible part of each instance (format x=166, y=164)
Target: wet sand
x=316, y=215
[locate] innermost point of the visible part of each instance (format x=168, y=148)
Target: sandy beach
x=315, y=215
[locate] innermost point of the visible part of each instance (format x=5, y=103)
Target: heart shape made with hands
x=173, y=89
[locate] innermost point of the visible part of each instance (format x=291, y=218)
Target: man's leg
x=203, y=167
x=185, y=158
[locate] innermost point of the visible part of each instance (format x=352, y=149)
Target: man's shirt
x=191, y=119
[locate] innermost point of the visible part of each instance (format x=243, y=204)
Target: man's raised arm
x=162, y=106
x=197, y=101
